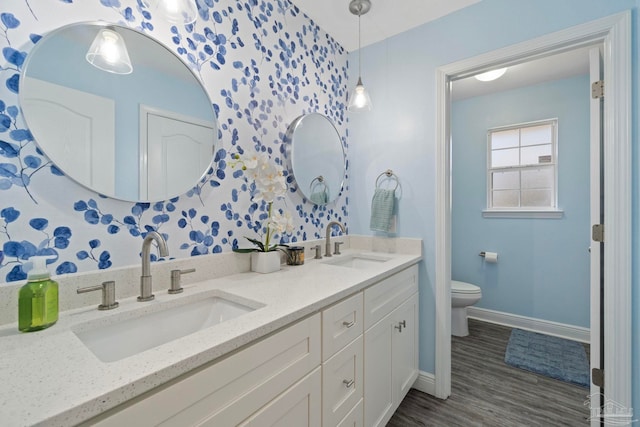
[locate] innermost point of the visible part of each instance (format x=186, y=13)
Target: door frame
x=614, y=32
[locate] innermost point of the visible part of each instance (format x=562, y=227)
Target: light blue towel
x=319, y=197
x=382, y=207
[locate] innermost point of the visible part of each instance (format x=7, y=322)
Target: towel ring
x=389, y=174
x=320, y=180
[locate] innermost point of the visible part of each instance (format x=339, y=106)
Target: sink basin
x=357, y=260
x=124, y=338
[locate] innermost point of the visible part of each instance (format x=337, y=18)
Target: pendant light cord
x=359, y=44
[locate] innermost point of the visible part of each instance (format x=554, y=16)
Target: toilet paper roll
x=491, y=257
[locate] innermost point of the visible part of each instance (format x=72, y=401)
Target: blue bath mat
x=553, y=357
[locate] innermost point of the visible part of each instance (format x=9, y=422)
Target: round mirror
x=317, y=157
x=136, y=130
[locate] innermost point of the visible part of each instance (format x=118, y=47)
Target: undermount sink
x=124, y=338
x=357, y=260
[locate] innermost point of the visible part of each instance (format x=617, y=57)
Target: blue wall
x=543, y=268
x=399, y=133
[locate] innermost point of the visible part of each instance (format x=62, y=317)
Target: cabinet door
x=298, y=406
x=383, y=297
x=405, y=348
x=342, y=383
x=378, y=378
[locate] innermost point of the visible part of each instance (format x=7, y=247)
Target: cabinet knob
x=348, y=383
x=349, y=324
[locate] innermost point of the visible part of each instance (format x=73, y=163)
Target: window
x=522, y=167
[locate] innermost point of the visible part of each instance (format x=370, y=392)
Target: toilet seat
x=464, y=288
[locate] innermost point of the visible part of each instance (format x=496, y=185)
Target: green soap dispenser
x=38, y=299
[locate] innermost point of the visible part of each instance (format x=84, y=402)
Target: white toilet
x=463, y=295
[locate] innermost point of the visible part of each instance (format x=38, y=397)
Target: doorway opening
x=614, y=34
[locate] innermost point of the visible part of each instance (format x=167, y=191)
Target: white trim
x=443, y=236
x=426, y=383
x=596, y=133
x=521, y=213
x=617, y=212
x=615, y=33
x=562, y=330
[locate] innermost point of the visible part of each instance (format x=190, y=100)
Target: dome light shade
x=108, y=52
x=491, y=75
x=174, y=11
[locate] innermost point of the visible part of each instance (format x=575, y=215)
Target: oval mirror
x=317, y=157
x=142, y=131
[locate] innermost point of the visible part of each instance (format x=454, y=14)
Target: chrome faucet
x=327, y=246
x=145, y=279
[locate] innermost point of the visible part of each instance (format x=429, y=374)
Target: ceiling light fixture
x=174, y=11
x=491, y=75
x=359, y=99
x=108, y=52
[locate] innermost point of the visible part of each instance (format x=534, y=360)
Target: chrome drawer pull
x=348, y=383
x=349, y=324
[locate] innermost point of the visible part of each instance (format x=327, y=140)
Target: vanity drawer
x=299, y=406
x=341, y=324
x=342, y=384
x=382, y=298
x=355, y=418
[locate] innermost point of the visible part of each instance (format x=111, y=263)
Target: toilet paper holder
x=491, y=257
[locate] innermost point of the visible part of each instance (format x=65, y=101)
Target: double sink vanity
x=332, y=342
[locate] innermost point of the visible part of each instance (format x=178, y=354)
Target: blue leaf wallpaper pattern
x=263, y=63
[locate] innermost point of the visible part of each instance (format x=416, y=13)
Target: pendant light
x=108, y=52
x=359, y=99
x=174, y=11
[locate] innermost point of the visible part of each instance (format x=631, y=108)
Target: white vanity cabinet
x=390, y=344
x=349, y=365
x=276, y=379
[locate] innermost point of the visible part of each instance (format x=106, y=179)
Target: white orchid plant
x=270, y=185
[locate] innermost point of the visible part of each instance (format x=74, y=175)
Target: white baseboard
x=426, y=383
x=575, y=333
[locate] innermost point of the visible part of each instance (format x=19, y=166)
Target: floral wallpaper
x=263, y=63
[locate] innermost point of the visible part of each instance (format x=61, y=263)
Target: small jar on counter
x=295, y=255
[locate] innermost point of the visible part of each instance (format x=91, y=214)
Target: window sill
x=523, y=213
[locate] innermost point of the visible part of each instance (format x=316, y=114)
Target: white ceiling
x=385, y=19
x=391, y=17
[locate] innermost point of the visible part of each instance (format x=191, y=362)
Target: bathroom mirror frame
x=190, y=114
x=316, y=166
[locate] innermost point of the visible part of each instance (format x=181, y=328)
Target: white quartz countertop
x=50, y=378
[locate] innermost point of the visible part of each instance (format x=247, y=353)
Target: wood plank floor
x=487, y=392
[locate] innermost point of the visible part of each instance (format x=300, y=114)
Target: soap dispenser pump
x=38, y=299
